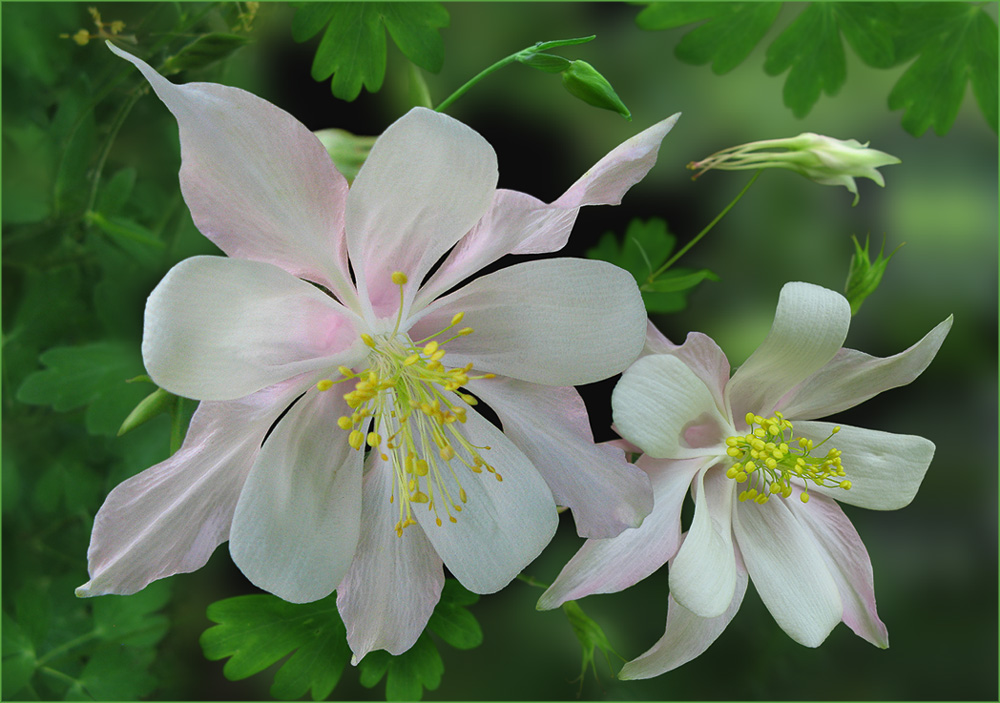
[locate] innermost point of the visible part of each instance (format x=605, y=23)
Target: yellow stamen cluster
x=405, y=399
x=768, y=457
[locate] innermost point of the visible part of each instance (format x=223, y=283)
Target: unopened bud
x=582, y=80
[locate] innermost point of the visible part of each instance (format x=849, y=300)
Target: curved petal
x=703, y=356
x=259, y=184
x=686, y=637
x=847, y=560
x=218, y=328
x=549, y=424
x=297, y=521
x=612, y=565
x=853, y=377
x=394, y=582
x=171, y=517
x=503, y=525
x=558, y=322
x=788, y=571
x=885, y=469
x=809, y=326
x=703, y=574
x=657, y=399
x=426, y=182
x=521, y=224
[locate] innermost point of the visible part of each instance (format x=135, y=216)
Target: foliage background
x=67, y=282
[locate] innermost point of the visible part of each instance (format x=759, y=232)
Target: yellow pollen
x=404, y=407
x=769, y=467
x=324, y=385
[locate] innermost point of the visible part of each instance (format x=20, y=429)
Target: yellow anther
x=367, y=339
x=846, y=485
x=430, y=348
x=344, y=371
x=374, y=439
x=411, y=360
x=447, y=453
x=419, y=497
x=420, y=467
x=344, y=422
x=356, y=439
x=399, y=278
x=456, y=318
x=438, y=355
x=465, y=332
x=324, y=385
x=804, y=497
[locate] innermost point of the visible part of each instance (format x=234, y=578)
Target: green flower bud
x=156, y=403
x=823, y=159
x=582, y=80
x=864, y=274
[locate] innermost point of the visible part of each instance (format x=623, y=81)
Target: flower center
x=408, y=397
x=769, y=457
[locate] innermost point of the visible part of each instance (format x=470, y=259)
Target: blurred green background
x=68, y=282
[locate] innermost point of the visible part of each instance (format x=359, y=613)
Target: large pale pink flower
x=748, y=449
x=321, y=337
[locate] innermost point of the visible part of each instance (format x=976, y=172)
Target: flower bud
x=582, y=80
x=864, y=274
x=823, y=159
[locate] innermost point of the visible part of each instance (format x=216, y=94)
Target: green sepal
x=154, y=404
x=549, y=63
x=585, y=82
x=864, y=275
x=590, y=636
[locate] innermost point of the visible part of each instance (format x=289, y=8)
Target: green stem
x=531, y=581
x=65, y=647
x=708, y=228
x=446, y=103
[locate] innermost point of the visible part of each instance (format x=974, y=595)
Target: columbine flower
x=829, y=161
x=299, y=380
x=763, y=474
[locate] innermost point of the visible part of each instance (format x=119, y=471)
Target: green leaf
x=960, y=46
x=18, y=658
x=812, y=49
x=353, y=48
x=133, y=620
x=406, y=675
x=257, y=631
x=589, y=634
x=113, y=196
x=92, y=375
x=869, y=28
x=204, y=51
x=452, y=622
x=119, y=673
x=75, y=121
x=731, y=33
x=864, y=275
x=677, y=280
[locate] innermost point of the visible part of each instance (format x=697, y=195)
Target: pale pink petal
x=809, y=327
x=612, y=565
x=171, y=517
x=258, y=183
x=885, y=469
x=394, y=582
x=297, y=521
x=521, y=224
x=656, y=341
x=503, y=525
x=848, y=562
x=427, y=181
x=703, y=356
x=703, y=574
x=657, y=399
x=558, y=322
x=549, y=424
x=687, y=635
x=788, y=571
x=219, y=329
x=853, y=377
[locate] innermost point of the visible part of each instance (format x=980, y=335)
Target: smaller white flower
x=828, y=161
x=763, y=475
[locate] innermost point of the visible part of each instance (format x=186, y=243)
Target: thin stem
x=446, y=103
x=532, y=581
x=65, y=647
x=686, y=247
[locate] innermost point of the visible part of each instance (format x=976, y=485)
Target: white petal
x=503, y=525
x=521, y=224
x=853, y=377
x=171, y=517
x=847, y=560
x=703, y=574
x=426, y=182
x=687, y=636
x=297, y=520
x=259, y=184
x=885, y=469
x=657, y=399
x=611, y=565
x=394, y=582
x=558, y=322
x=549, y=424
x=703, y=356
x=788, y=571
x=219, y=329
x=809, y=326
